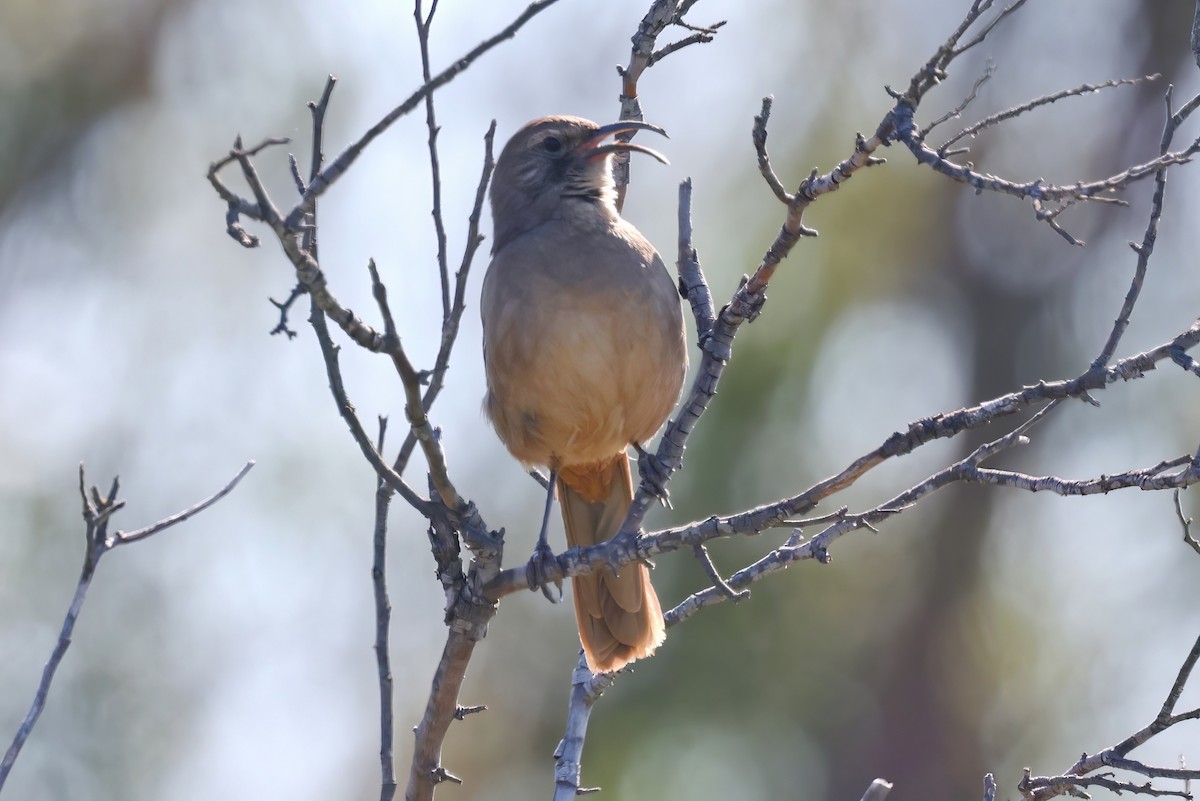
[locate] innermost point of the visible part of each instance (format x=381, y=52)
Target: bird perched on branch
x=585, y=354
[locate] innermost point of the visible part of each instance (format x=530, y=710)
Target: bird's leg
x=654, y=474
x=543, y=553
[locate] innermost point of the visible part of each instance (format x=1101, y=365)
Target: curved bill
x=592, y=145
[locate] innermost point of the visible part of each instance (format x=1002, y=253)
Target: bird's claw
x=654, y=475
x=536, y=572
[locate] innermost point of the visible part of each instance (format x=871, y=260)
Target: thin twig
x=1186, y=523
x=121, y=538
x=383, y=618
x=1037, y=189
x=660, y=15
x=1045, y=100
x=316, y=318
x=759, y=137
x=714, y=575
x=414, y=410
x=451, y=326
x=692, y=283
x=934, y=71
x=96, y=514
x=338, y=166
x=701, y=36
x=957, y=111
x=1149, y=478
x=282, y=326
x=1146, y=248
x=1004, y=13
x=1044, y=788
x=435, y=170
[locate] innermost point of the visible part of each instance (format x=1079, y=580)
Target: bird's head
x=554, y=160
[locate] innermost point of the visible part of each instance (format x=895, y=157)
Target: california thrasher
x=584, y=352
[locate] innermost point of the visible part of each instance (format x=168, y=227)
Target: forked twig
x=97, y=511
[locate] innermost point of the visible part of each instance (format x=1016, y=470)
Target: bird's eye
x=552, y=144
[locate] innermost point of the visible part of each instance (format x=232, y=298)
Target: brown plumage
x=584, y=352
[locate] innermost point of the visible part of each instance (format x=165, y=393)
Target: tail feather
x=619, y=616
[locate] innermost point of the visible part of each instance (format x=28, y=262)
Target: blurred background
x=984, y=630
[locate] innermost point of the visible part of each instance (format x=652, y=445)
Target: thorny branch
x=97, y=511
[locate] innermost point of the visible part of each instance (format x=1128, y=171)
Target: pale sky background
x=231, y=657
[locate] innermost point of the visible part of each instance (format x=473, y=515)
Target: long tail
x=619, y=616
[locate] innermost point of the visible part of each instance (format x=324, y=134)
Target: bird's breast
x=584, y=347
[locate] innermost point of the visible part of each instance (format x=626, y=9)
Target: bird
x=584, y=355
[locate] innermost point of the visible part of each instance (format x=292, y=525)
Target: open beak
x=592, y=147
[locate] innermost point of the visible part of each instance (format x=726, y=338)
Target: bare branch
x=877, y=791
x=1167, y=713
x=450, y=326
x=121, y=538
x=586, y=689
x=692, y=283
x=96, y=514
x=701, y=36
x=957, y=111
x=714, y=575
x=1195, y=42
x=427, y=771
x=1186, y=522
x=419, y=423
x=1049, y=786
x=747, y=297
x=660, y=15
x=461, y=712
x=237, y=207
x=1149, y=478
x=934, y=70
x=383, y=620
x=624, y=550
x=435, y=170
x=1016, y=111
x=1039, y=189
x=338, y=167
x=1005, y=12
x=329, y=351
x=333, y=371
x=759, y=135
x=1044, y=788
x=1146, y=248
x=282, y=326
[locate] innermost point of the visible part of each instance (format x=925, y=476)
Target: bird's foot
x=654, y=474
x=537, y=569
